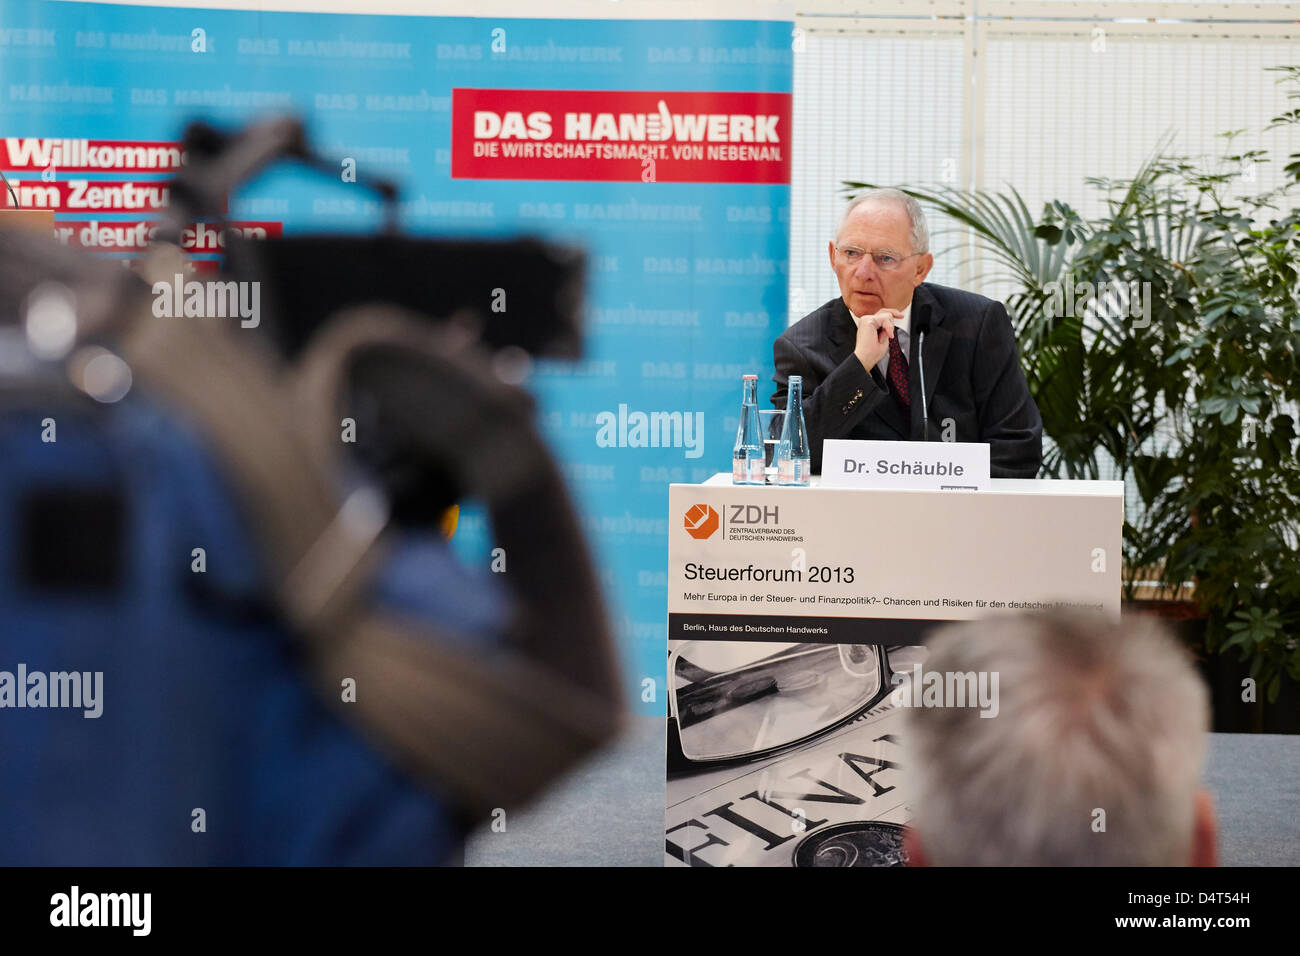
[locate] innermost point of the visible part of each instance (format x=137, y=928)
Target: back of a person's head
x=1091, y=756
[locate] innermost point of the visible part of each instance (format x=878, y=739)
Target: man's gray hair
x=920, y=234
x=1094, y=718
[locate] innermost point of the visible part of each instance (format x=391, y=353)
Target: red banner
x=75, y=195
x=621, y=136
x=90, y=155
x=135, y=236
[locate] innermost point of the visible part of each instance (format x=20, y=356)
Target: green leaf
x=1240, y=639
x=1214, y=313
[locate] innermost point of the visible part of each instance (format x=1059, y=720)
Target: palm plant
x=1091, y=378
x=1156, y=394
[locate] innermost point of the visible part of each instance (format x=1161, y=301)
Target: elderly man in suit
x=862, y=358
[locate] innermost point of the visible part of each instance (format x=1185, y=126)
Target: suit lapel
x=889, y=413
x=842, y=333
x=937, y=339
x=842, y=336
x=936, y=350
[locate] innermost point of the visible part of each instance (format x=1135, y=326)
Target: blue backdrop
x=688, y=282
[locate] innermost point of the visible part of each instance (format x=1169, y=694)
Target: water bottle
x=793, y=452
x=747, y=456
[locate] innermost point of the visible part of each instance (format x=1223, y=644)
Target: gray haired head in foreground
x=920, y=234
x=1092, y=716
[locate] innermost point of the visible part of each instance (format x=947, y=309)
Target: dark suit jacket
x=972, y=376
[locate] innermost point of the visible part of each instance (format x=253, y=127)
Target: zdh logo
x=701, y=521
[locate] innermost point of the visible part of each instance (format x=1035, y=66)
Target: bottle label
x=747, y=469
x=793, y=471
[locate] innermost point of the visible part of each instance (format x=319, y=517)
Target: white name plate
x=920, y=465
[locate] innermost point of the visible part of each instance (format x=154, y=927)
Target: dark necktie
x=898, y=374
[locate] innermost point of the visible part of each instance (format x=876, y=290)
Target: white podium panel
x=880, y=566
x=795, y=617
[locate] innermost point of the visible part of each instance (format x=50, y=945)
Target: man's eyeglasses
x=885, y=261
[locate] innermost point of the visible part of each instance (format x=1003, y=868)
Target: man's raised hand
x=874, y=333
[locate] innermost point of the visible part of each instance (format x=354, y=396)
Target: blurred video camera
x=232, y=527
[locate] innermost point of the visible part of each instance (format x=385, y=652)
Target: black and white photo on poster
x=785, y=754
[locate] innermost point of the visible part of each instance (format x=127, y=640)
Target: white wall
x=1039, y=95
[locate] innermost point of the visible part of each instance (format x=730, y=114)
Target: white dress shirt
x=902, y=329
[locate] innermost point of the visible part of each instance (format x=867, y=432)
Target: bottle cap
x=748, y=376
